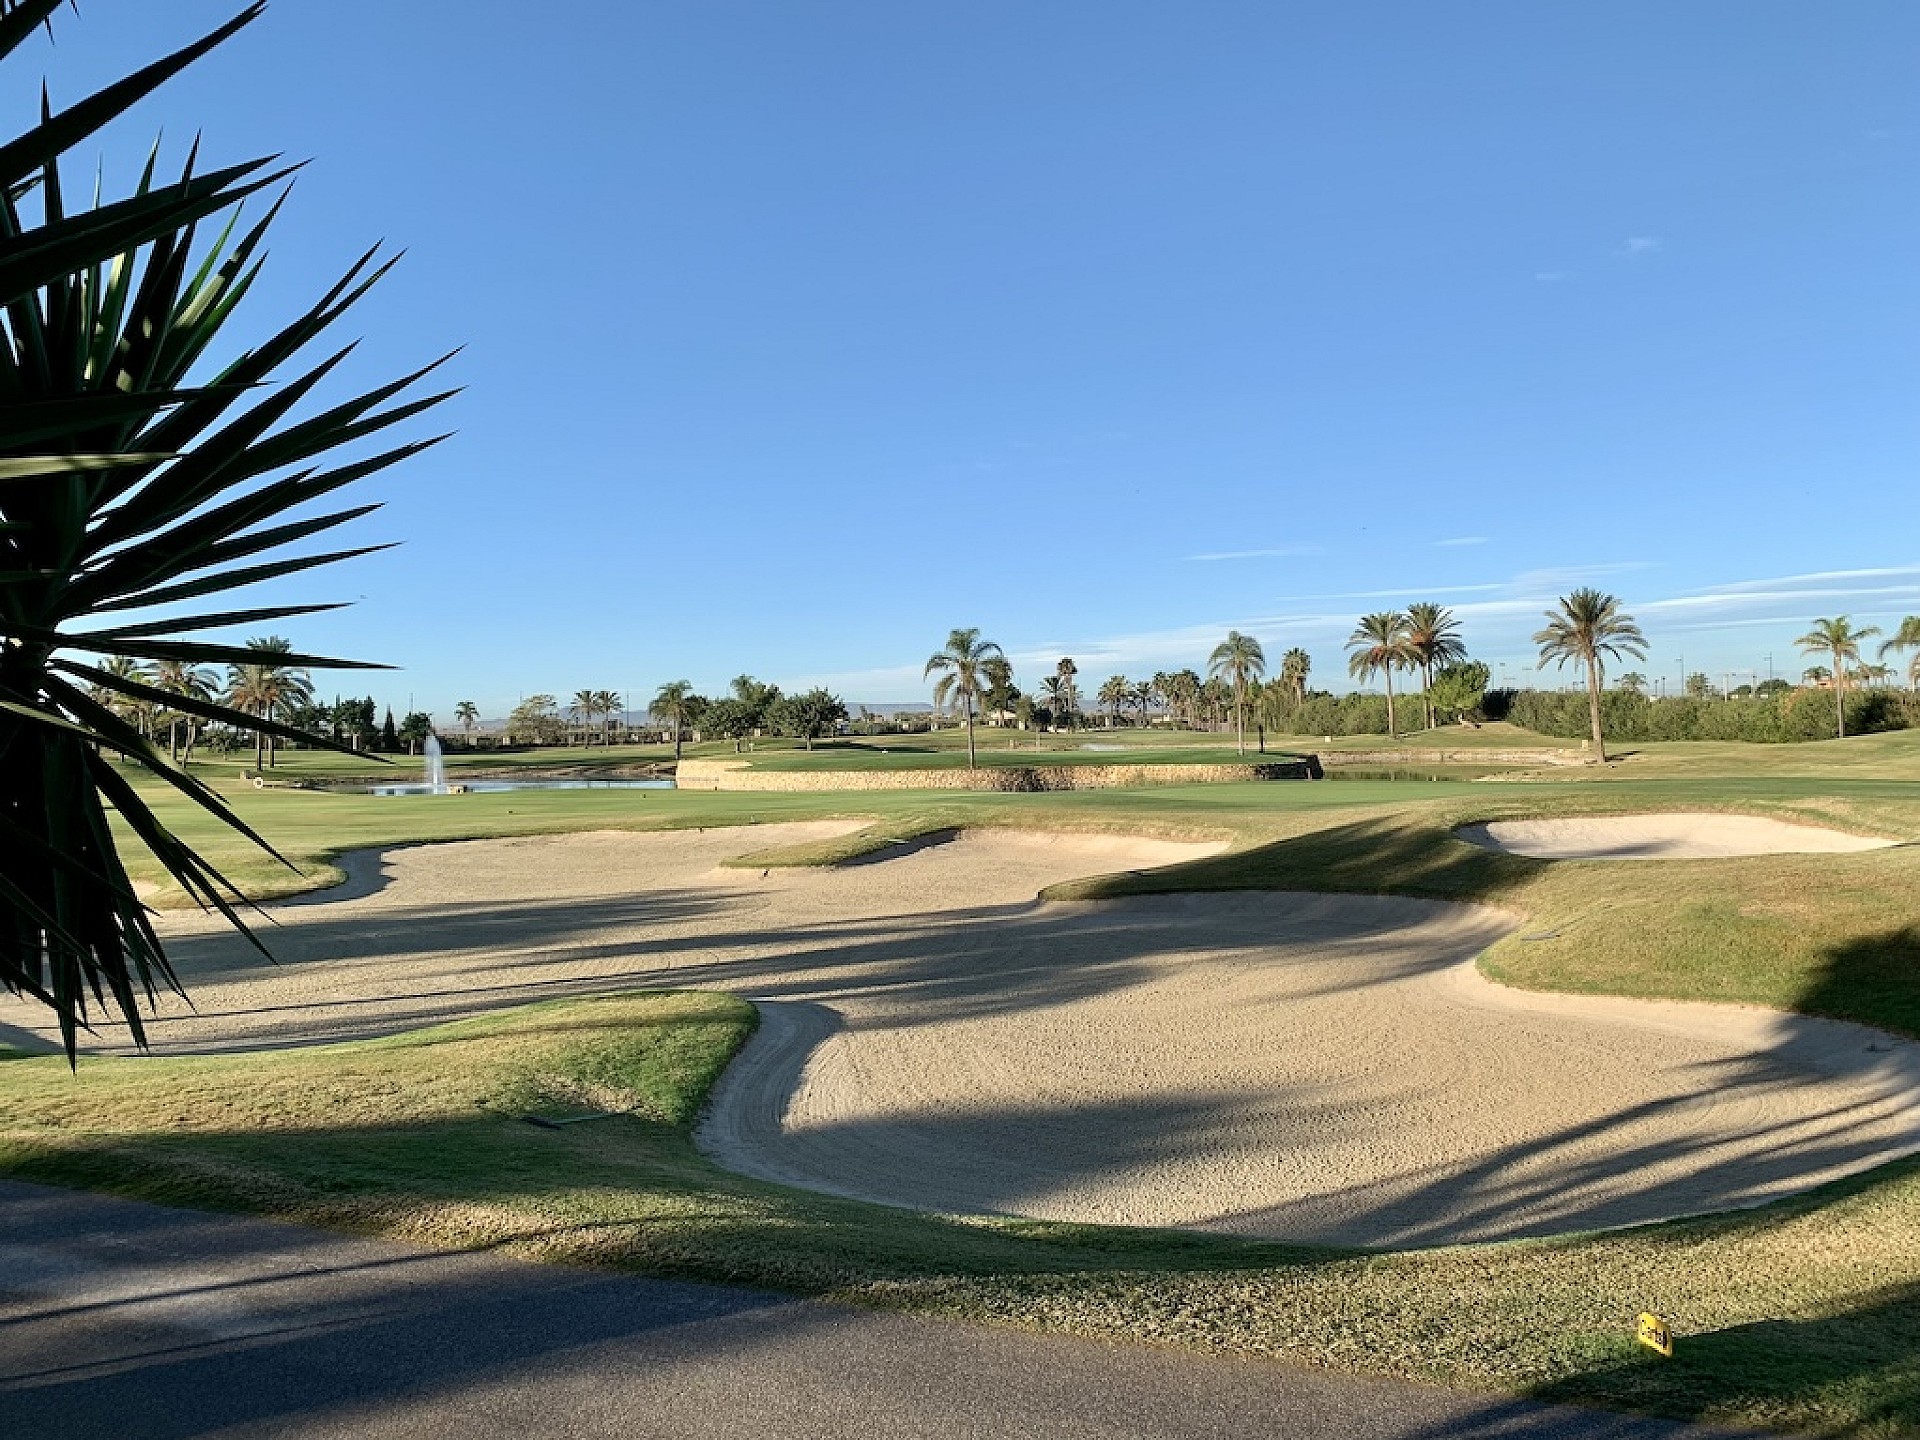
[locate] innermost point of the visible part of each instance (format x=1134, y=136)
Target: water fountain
x=436, y=766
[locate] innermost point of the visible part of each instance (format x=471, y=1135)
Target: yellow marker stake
x=1655, y=1333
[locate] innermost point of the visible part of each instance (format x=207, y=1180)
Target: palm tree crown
x=968, y=667
x=1586, y=626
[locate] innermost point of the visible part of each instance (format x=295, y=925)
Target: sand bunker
x=1676, y=836
x=1319, y=1068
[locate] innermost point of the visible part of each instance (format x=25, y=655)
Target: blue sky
x=797, y=335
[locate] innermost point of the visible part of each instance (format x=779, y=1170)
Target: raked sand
x=1671, y=836
x=1320, y=1068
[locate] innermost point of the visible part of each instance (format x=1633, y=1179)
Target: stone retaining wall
x=1401, y=759
x=736, y=775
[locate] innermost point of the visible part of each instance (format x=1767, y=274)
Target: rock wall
x=1411, y=758
x=735, y=775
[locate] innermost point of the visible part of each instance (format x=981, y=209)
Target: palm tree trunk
x=1392, y=729
x=1240, y=718
x=969, y=714
x=1426, y=678
x=1593, y=709
x=677, y=732
x=1840, y=691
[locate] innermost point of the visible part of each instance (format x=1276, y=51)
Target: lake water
x=483, y=787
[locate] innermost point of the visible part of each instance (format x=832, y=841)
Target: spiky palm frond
x=129, y=483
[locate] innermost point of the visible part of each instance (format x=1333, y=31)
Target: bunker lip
x=1662, y=835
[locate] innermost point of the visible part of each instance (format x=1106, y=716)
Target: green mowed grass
x=1798, y=1315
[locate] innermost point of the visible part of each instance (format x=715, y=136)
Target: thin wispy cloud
x=1550, y=277
x=1278, y=553
x=1815, y=578
x=1461, y=540
x=1639, y=245
x=1499, y=618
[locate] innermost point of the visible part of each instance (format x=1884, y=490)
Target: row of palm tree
x=265, y=686
x=588, y=706
x=1423, y=637
x=1838, y=639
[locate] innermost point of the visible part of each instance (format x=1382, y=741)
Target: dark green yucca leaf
x=128, y=482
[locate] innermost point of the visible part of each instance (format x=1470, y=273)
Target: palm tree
x=607, y=702
x=967, y=668
x=1115, y=692
x=468, y=714
x=583, y=709
x=670, y=704
x=1142, y=695
x=1841, y=642
x=1633, y=682
x=1379, y=646
x=1182, y=692
x=1907, y=637
x=1587, y=626
x=1066, y=670
x=177, y=677
x=1433, y=638
x=1295, y=666
x=268, y=688
x=1238, y=659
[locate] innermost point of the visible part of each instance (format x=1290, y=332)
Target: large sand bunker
x=1321, y=1068
x=1671, y=836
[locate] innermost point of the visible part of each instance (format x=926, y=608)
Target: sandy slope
x=1316, y=1067
x=1672, y=836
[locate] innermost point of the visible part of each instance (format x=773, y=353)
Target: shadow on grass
x=1855, y=1372
x=1874, y=979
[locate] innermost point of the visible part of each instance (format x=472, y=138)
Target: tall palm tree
x=1238, y=659
x=1115, y=693
x=1841, y=642
x=267, y=687
x=468, y=714
x=1069, y=691
x=1380, y=646
x=1586, y=626
x=1059, y=697
x=1295, y=666
x=607, y=702
x=1433, y=638
x=967, y=668
x=670, y=704
x=583, y=710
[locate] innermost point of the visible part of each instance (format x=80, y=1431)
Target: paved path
x=131, y=1321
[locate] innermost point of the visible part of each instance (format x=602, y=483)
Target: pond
x=483, y=787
